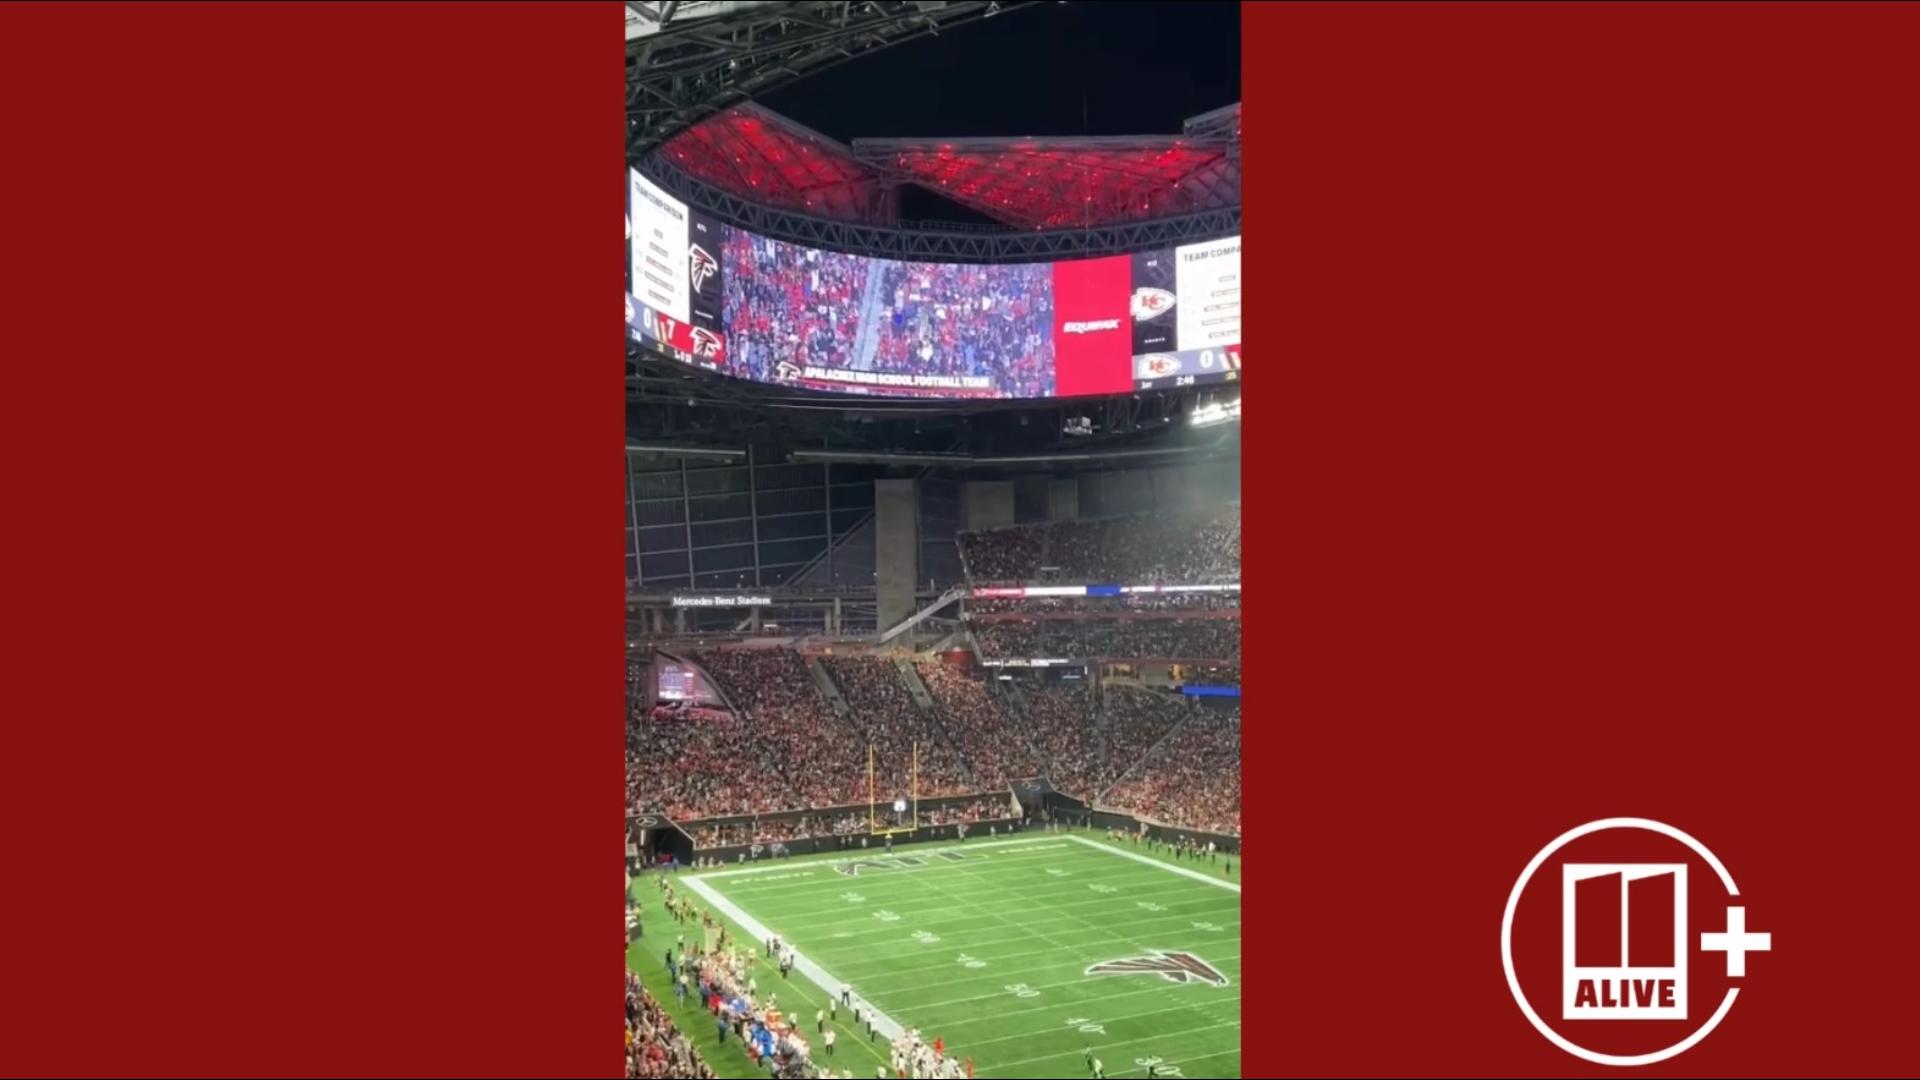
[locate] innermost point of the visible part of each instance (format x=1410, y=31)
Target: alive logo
x=1597, y=946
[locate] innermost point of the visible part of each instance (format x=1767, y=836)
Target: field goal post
x=874, y=827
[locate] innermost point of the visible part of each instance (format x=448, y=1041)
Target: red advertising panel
x=1092, y=332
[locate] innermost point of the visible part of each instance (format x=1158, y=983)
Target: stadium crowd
x=790, y=303
x=1135, y=638
x=789, y=306
x=985, y=729
x=959, y=319
x=1065, y=738
x=896, y=724
x=786, y=750
x=1192, y=781
x=655, y=1047
x=1094, y=607
x=1137, y=549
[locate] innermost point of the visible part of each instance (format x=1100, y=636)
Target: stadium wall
x=896, y=546
x=1128, y=823
x=988, y=504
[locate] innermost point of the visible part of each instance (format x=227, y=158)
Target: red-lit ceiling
x=1061, y=183
x=769, y=159
x=1028, y=183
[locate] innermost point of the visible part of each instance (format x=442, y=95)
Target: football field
x=1020, y=953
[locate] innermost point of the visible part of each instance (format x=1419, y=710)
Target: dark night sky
x=1141, y=68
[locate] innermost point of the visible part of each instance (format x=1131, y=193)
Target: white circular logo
x=1628, y=957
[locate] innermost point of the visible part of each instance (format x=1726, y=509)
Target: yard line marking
x=1164, y=988
x=868, y=853
x=981, y=949
x=980, y=896
x=1162, y=1036
x=973, y=1043
x=1224, y=996
x=1149, y=861
x=882, y=1023
x=1185, y=1059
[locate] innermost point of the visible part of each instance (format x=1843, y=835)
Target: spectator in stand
x=1192, y=781
x=787, y=751
x=980, y=724
x=895, y=724
x=1140, y=549
x=1121, y=638
x=655, y=1048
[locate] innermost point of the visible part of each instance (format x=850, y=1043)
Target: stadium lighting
x=1214, y=413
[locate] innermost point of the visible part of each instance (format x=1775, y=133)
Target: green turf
x=991, y=953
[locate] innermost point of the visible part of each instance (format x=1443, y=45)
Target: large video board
x=780, y=313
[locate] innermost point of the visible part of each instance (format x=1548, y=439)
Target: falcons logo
x=706, y=343
x=701, y=265
x=786, y=371
x=1176, y=967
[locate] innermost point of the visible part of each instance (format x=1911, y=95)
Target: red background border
x=1580, y=485
x=311, y=761
x=1582, y=489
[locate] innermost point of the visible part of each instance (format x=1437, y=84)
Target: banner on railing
x=1024, y=592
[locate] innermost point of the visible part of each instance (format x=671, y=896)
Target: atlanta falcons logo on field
x=1177, y=967
x=706, y=343
x=701, y=265
x=1148, y=303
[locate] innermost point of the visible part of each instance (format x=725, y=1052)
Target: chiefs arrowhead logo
x=629, y=310
x=705, y=342
x=1158, y=365
x=1150, y=303
x=701, y=265
x=1177, y=967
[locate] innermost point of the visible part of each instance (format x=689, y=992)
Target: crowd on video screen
x=789, y=307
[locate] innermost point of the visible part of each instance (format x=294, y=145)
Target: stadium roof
x=767, y=158
x=1027, y=182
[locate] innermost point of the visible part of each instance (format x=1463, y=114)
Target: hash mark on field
x=1149, y=861
x=1005, y=1065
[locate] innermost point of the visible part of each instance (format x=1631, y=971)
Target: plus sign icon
x=1627, y=941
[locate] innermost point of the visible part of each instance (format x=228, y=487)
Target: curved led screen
x=755, y=308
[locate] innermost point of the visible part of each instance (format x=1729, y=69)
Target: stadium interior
x=857, y=621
